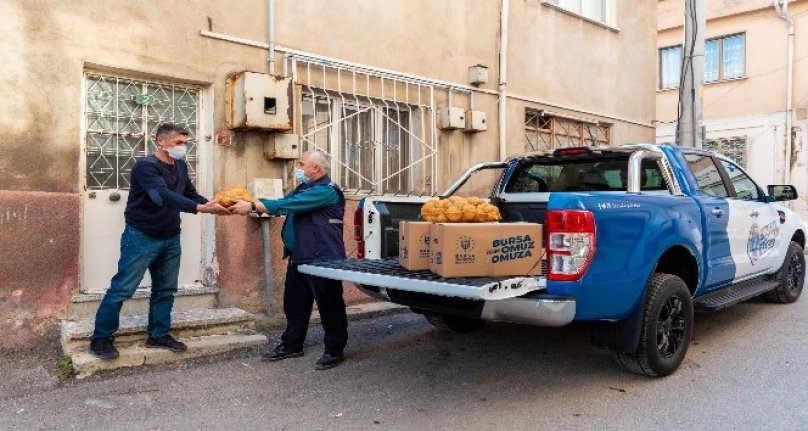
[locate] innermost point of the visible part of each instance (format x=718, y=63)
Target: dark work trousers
x=300, y=292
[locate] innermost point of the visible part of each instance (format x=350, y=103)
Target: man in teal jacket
x=313, y=231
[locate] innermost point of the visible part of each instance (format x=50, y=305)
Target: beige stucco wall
x=556, y=61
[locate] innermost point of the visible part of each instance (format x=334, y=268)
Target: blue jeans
x=139, y=252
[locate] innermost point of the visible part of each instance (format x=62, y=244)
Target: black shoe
x=279, y=353
x=166, y=342
x=103, y=348
x=328, y=361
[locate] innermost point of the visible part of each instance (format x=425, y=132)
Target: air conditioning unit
x=259, y=101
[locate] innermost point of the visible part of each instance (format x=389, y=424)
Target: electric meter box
x=451, y=118
x=259, y=101
x=476, y=121
x=282, y=146
x=267, y=188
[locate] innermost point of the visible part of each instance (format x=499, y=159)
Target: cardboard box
x=413, y=245
x=486, y=249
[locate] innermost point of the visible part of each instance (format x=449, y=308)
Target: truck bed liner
x=387, y=273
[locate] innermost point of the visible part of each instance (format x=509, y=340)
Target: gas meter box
x=451, y=118
x=259, y=101
x=282, y=146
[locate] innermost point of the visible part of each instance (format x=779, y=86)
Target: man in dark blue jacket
x=160, y=189
x=312, y=231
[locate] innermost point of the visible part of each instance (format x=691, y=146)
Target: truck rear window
x=581, y=174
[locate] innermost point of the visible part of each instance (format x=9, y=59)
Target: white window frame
x=602, y=12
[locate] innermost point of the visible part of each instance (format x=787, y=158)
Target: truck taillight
x=359, y=233
x=570, y=243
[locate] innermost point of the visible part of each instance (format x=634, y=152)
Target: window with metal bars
x=733, y=148
x=548, y=132
x=122, y=116
x=375, y=147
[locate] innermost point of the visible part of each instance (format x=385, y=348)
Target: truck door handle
x=754, y=214
x=717, y=212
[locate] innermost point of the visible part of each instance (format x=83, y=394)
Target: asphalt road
x=747, y=368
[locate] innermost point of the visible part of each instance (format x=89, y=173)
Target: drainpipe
x=271, y=35
x=269, y=289
x=781, y=6
x=503, y=74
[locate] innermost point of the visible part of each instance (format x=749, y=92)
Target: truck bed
x=387, y=273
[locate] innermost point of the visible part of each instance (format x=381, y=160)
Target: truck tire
x=791, y=276
x=667, y=326
x=449, y=323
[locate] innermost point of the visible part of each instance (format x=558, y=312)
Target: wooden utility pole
x=688, y=128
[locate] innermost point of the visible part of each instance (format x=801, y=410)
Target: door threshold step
x=75, y=335
x=723, y=298
x=146, y=293
x=85, y=305
x=85, y=364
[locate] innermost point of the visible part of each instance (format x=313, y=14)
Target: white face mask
x=177, y=152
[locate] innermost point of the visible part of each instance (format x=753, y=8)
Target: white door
x=754, y=225
x=121, y=116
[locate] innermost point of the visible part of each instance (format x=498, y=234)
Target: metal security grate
x=122, y=116
x=547, y=132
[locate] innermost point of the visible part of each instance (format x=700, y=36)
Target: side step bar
x=734, y=294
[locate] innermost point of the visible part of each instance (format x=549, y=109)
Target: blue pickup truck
x=637, y=238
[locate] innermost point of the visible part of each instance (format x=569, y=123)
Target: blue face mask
x=300, y=176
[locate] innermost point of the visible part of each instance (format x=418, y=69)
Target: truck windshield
x=582, y=174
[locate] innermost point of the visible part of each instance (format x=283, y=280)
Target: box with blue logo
x=485, y=249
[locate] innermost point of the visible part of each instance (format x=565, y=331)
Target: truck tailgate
x=387, y=273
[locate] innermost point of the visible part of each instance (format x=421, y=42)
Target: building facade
x=747, y=91
x=88, y=82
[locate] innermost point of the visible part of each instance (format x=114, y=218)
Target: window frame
x=608, y=12
x=721, y=72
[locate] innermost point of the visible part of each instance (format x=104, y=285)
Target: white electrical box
x=259, y=101
x=451, y=118
x=476, y=121
x=267, y=188
x=478, y=74
x=282, y=146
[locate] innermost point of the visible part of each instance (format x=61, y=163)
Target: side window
x=745, y=188
x=707, y=175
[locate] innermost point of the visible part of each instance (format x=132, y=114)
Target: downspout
x=271, y=35
x=781, y=6
x=503, y=74
x=269, y=289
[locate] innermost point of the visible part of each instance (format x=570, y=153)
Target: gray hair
x=319, y=158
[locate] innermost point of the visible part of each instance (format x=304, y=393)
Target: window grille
x=548, y=132
x=378, y=128
x=733, y=148
x=122, y=115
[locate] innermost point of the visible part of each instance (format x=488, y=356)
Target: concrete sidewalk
x=36, y=369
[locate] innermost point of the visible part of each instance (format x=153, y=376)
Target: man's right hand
x=212, y=207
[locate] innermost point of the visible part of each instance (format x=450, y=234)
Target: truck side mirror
x=782, y=192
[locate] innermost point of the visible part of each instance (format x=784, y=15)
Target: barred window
x=122, y=116
x=376, y=147
x=733, y=148
x=548, y=132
